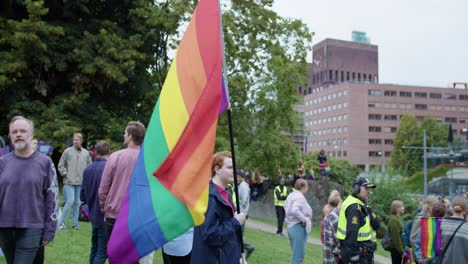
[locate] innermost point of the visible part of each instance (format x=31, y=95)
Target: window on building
x=354, y=76
x=336, y=76
x=345, y=129
x=375, y=129
x=374, y=92
x=330, y=75
x=374, y=154
x=313, y=79
x=448, y=96
x=370, y=78
x=388, y=141
x=390, y=93
x=339, y=129
x=342, y=76
x=405, y=94
x=463, y=97
x=450, y=120
x=310, y=90
x=435, y=95
x=419, y=118
x=375, y=141
x=345, y=153
x=391, y=117
x=345, y=141
x=420, y=106
x=345, y=92
x=347, y=76
x=420, y=95
x=321, y=76
x=371, y=105
x=359, y=77
x=375, y=117
x=364, y=77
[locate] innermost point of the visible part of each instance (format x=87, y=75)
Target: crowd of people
x=30, y=213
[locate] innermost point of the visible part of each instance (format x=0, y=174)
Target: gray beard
x=21, y=146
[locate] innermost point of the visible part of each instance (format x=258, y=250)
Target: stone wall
x=317, y=197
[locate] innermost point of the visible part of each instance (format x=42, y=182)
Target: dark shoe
x=249, y=252
x=76, y=227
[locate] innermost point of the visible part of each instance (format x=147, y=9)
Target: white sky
x=421, y=42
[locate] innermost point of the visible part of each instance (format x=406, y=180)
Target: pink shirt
x=115, y=180
x=298, y=210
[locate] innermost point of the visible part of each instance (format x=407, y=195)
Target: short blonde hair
x=300, y=183
x=430, y=201
x=334, y=198
x=396, y=204
x=459, y=205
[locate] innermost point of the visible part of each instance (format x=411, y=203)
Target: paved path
x=312, y=240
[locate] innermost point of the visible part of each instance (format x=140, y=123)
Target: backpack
x=407, y=233
x=84, y=213
x=386, y=241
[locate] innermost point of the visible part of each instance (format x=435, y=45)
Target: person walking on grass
x=299, y=220
x=71, y=166
x=28, y=196
x=90, y=196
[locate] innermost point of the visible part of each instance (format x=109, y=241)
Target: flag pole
x=231, y=132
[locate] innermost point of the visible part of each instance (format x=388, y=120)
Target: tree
x=265, y=57
x=84, y=65
x=410, y=134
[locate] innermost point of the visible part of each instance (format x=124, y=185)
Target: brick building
x=350, y=115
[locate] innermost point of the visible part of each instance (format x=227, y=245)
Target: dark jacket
x=89, y=190
x=216, y=240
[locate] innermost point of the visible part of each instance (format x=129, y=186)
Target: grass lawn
x=73, y=247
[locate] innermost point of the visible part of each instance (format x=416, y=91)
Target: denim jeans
x=98, y=253
x=20, y=245
x=71, y=195
x=298, y=240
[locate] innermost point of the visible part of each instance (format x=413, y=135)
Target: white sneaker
x=62, y=227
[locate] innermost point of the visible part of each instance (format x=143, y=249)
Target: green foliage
x=410, y=134
x=343, y=172
x=265, y=56
x=386, y=192
x=415, y=183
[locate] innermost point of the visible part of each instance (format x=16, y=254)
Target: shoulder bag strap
x=450, y=240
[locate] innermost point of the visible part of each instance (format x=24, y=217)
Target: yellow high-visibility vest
x=364, y=233
x=283, y=193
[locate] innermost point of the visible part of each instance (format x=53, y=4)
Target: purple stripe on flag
x=122, y=253
x=224, y=99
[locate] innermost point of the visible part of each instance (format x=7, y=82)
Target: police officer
x=354, y=225
x=280, y=194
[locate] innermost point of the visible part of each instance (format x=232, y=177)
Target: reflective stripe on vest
x=364, y=233
x=284, y=193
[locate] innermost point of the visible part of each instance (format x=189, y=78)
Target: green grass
x=73, y=247
x=415, y=183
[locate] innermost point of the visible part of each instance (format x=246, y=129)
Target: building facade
x=358, y=121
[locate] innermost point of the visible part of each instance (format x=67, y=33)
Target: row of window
x=378, y=141
x=329, y=142
x=447, y=108
x=392, y=93
x=327, y=97
x=379, y=153
x=385, y=117
x=341, y=76
x=326, y=120
x=419, y=118
x=330, y=131
x=379, y=129
x=326, y=109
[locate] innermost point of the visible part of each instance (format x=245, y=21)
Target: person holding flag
x=217, y=240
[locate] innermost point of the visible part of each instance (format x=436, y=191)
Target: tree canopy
x=410, y=134
x=91, y=66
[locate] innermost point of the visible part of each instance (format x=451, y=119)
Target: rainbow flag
x=168, y=191
x=431, y=237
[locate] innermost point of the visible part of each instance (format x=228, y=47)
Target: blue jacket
x=216, y=240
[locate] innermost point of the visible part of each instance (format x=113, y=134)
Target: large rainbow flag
x=431, y=237
x=168, y=191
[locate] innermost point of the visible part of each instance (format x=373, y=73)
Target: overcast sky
x=421, y=42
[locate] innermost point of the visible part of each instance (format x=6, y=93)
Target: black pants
x=20, y=245
x=169, y=259
x=363, y=259
x=396, y=257
x=109, y=226
x=39, y=259
x=280, y=217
